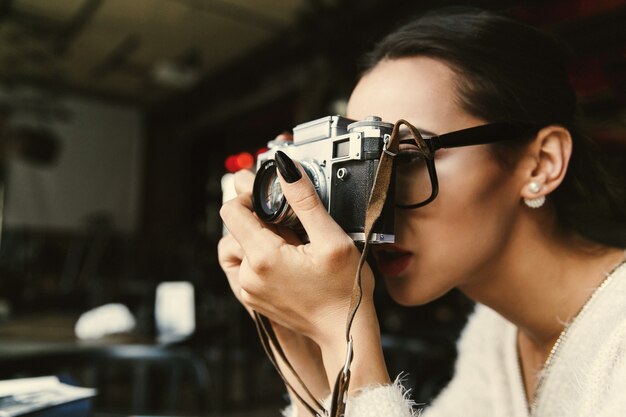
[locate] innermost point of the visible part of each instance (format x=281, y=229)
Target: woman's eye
x=407, y=157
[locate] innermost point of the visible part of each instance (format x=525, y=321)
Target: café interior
x=121, y=123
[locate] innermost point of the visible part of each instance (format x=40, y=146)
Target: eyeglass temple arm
x=479, y=135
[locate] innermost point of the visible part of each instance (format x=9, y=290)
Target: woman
x=512, y=227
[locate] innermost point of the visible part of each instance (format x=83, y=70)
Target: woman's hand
x=302, y=352
x=304, y=287
x=307, y=287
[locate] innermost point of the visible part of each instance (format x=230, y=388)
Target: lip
x=392, y=260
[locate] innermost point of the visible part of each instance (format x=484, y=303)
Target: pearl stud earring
x=535, y=187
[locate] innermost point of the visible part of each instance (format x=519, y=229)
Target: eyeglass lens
x=413, y=182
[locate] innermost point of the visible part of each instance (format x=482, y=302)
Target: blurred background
x=118, y=121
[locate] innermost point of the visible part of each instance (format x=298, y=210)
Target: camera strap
x=375, y=206
x=272, y=347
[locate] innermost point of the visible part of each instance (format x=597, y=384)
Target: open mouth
x=392, y=260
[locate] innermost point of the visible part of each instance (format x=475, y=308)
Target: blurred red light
x=231, y=164
x=234, y=163
x=245, y=160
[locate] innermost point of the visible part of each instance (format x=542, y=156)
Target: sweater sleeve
x=607, y=393
x=375, y=401
x=615, y=403
x=467, y=393
x=383, y=400
x=463, y=396
x=289, y=411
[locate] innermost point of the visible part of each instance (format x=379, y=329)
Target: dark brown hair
x=509, y=71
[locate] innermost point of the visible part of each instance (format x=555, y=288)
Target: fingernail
x=287, y=168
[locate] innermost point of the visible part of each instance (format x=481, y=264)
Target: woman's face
x=455, y=240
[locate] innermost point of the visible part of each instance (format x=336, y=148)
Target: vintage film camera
x=340, y=156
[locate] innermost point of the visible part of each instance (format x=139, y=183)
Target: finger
x=305, y=202
x=246, y=200
x=247, y=229
x=230, y=257
x=290, y=236
x=244, y=180
x=229, y=252
x=284, y=137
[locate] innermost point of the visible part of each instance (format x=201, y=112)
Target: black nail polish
x=287, y=168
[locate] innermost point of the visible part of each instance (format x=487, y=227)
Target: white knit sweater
x=587, y=376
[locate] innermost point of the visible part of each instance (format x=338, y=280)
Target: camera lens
x=267, y=197
x=268, y=200
x=274, y=195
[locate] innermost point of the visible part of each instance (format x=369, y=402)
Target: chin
x=408, y=296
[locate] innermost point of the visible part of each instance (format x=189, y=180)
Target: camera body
x=341, y=157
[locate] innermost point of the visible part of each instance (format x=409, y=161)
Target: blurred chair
x=165, y=380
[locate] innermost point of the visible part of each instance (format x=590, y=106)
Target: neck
x=542, y=278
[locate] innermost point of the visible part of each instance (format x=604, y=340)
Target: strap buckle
x=386, y=140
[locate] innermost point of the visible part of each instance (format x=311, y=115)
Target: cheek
x=476, y=197
x=454, y=237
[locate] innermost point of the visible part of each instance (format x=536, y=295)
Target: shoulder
x=606, y=371
x=609, y=373
x=592, y=365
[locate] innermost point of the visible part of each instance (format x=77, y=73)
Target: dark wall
x=297, y=76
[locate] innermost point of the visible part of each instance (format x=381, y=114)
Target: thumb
x=305, y=202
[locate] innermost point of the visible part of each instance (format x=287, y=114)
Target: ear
x=548, y=158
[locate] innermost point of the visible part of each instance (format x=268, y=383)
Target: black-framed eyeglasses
x=416, y=175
